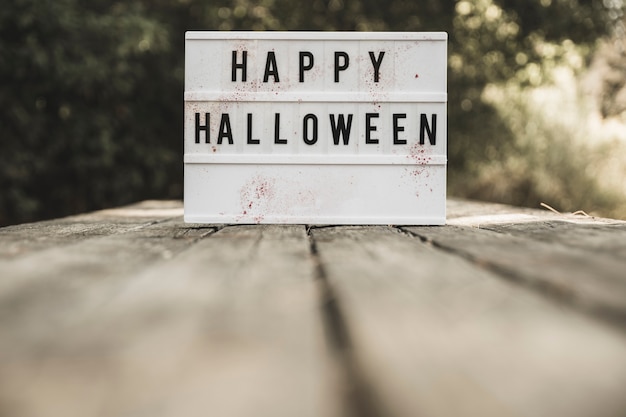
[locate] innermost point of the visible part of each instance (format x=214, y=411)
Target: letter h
x=242, y=66
x=205, y=127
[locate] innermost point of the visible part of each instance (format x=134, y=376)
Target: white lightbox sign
x=315, y=127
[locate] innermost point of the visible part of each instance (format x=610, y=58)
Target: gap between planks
x=359, y=400
x=436, y=334
x=599, y=294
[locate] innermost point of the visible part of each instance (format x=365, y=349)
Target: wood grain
x=131, y=312
x=594, y=281
x=21, y=239
x=596, y=239
x=168, y=320
x=437, y=335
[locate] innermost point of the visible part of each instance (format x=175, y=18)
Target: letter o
x=305, y=129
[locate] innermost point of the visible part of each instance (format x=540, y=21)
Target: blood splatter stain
x=257, y=196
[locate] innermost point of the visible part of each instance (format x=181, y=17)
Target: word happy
x=306, y=62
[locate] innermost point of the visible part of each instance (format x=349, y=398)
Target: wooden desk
x=131, y=312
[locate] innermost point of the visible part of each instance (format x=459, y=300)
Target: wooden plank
x=606, y=237
x=605, y=240
x=139, y=314
x=21, y=239
x=594, y=281
x=465, y=209
x=150, y=322
x=94, y=262
x=434, y=334
x=483, y=214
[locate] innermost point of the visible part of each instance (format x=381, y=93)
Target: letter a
x=270, y=68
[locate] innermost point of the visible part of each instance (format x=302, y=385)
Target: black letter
x=369, y=128
x=242, y=66
x=340, y=128
x=205, y=127
x=376, y=64
x=432, y=134
x=225, y=131
x=271, y=62
x=305, y=67
x=277, y=139
x=397, y=129
x=346, y=62
x=305, y=129
x=250, y=140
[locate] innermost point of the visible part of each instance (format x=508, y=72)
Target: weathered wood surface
x=131, y=312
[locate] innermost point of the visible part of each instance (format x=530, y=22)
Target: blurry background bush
x=92, y=93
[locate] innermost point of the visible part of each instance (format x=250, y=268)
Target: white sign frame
x=315, y=127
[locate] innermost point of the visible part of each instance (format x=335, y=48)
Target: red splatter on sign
x=257, y=197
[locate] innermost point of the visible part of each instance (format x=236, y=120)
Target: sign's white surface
x=315, y=128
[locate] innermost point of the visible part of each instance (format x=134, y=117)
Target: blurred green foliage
x=86, y=104
x=91, y=96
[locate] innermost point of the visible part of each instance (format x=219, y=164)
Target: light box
x=315, y=127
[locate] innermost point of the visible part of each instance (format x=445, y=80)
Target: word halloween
x=339, y=126
x=306, y=62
